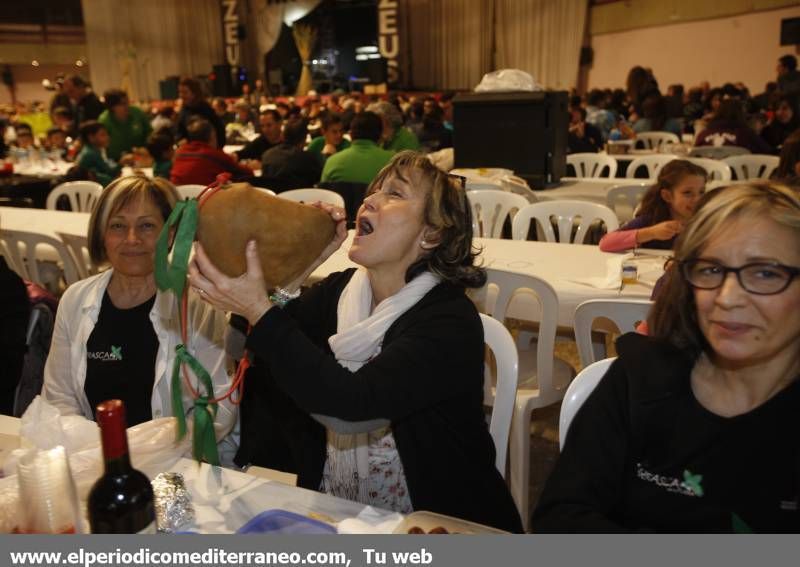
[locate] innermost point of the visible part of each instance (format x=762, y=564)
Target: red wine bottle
x=121, y=501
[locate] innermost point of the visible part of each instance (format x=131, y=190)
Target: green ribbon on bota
x=171, y=276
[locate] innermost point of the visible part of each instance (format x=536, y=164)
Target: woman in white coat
x=115, y=333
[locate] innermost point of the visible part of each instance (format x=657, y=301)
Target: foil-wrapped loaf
x=173, y=503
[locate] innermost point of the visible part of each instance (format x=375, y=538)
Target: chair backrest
x=579, y=389
x=19, y=249
x=718, y=152
x=78, y=247
x=626, y=314
x=629, y=195
x=653, y=140
x=264, y=190
x=592, y=165
x=717, y=170
x=190, y=191
x=753, y=166
x=651, y=163
x=351, y=192
x=563, y=214
x=490, y=209
x=480, y=185
x=501, y=343
x=509, y=285
x=82, y=195
x=312, y=196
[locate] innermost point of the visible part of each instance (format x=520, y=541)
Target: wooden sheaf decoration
x=289, y=235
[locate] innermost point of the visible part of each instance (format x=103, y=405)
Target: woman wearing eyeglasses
x=695, y=428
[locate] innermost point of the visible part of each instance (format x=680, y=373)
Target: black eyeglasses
x=760, y=278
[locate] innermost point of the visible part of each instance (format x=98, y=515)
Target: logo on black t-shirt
x=114, y=355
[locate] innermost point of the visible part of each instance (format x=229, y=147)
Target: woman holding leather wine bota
x=369, y=385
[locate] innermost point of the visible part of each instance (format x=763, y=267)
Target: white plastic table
x=574, y=270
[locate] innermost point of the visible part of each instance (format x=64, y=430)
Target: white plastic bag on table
x=508, y=80
x=152, y=448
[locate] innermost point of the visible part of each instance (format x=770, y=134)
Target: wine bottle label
x=149, y=529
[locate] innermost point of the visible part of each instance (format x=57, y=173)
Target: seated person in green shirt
x=332, y=139
x=128, y=126
x=161, y=146
x=395, y=136
x=362, y=161
x=93, y=156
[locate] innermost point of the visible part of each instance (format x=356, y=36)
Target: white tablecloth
x=563, y=266
x=43, y=168
x=224, y=500
x=44, y=221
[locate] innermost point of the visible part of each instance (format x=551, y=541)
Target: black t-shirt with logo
x=121, y=359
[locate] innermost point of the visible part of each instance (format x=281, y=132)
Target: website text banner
x=396, y=551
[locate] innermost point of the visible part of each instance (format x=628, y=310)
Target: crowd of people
x=185, y=140
x=727, y=115
x=369, y=384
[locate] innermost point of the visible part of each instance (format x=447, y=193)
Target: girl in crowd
x=694, y=428
x=370, y=385
x=664, y=210
x=115, y=334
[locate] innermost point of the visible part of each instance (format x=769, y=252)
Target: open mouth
x=363, y=227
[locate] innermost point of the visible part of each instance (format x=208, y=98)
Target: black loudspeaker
x=374, y=70
x=168, y=88
x=587, y=56
x=222, y=82
x=522, y=131
x=790, y=31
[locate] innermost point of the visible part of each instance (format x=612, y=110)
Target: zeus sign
x=230, y=26
x=389, y=38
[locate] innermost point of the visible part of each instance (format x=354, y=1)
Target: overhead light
x=35, y=63
x=362, y=57
x=374, y=56
x=314, y=62
x=79, y=63
x=367, y=49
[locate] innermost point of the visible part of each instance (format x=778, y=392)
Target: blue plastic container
x=284, y=522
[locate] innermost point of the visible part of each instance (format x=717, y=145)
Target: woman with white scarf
x=369, y=386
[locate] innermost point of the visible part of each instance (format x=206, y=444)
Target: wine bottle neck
x=118, y=466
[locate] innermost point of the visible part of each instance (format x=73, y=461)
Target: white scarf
x=359, y=337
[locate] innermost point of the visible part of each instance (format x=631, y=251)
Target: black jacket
x=428, y=380
x=642, y=454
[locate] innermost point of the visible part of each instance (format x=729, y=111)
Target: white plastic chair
x=592, y=165
x=717, y=170
x=623, y=199
x=753, y=166
x=652, y=163
x=624, y=313
x=543, y=379
x=577, y=393
x=490, y=209
x=78, y=247
x=265, y=191
x=653, y=140
x=190, y=191
x=563, y=213
x=313, y=195
x=503, y=392
x=20, y=250
x=82, y=195
x=480, y=185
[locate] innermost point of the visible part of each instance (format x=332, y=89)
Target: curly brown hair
x=447, y=212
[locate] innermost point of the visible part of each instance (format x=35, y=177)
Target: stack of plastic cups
x=49, y=503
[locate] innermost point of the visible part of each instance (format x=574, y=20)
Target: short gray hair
x=116, y=196
x=388, y=110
